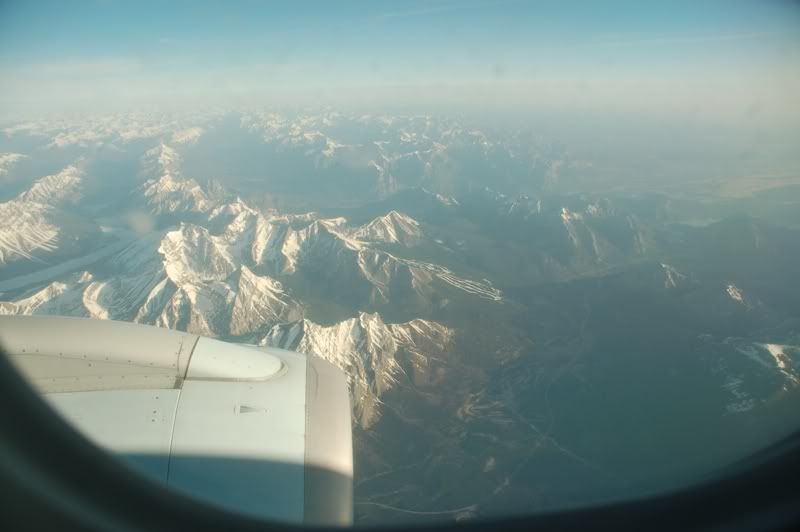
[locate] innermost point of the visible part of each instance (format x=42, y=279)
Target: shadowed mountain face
x=510, y=346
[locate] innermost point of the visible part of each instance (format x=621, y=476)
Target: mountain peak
x=167, y=191
x=57, y=189
x=192, y=254
x=370, y=351
x=392, y=228
x=736, y=294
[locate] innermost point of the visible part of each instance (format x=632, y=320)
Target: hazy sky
x=625, y=56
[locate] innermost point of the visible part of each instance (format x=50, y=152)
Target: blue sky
x=636, y=53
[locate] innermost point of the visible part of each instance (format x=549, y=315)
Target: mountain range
x=507, y=344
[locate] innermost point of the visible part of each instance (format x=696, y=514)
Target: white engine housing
x=261, y=431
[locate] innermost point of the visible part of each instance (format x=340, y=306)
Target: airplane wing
x=261, y=431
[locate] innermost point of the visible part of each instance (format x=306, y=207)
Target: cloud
x=688, y=39
x=88, y=69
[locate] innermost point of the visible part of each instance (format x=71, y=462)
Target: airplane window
x=406, y=262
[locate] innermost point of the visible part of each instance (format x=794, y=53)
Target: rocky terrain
x=507, y=344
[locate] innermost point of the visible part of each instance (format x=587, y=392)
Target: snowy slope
x=8, y=160
x=59, y=189
x=370, y=351
x=37, y=232
x=166, y=189
x=393, y=228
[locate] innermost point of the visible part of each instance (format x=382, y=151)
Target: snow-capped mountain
x=166, y=190
x=286, y=245
x=260, y=300
x=566, y=236
x=64, y=298
x=57, y=190
x=39, y=234
x=775, y=363
x=736, y=294
x=194, y=280
x=8, y=160
x=190, y=135
x=143, y=291
x=226, y=283
x=480, y=314
x=374, y=354
x=116, y=130
x=392, y=153
x=393, y=228
x=26, y=229
x=191, y=253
